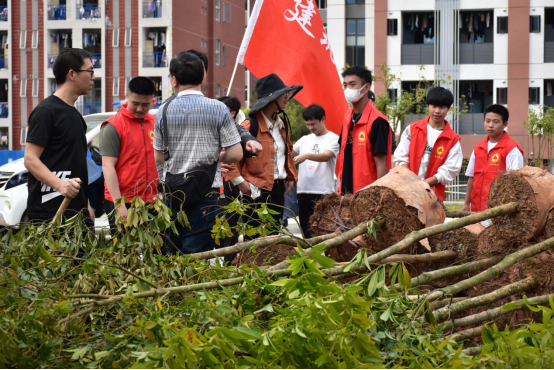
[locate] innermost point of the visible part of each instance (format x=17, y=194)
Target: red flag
x=287, y=37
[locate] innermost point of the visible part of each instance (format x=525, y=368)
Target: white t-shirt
x=445, y=173
x=514, y=160
x=317, y=177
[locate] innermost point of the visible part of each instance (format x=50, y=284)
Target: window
x=392, y=95
x=23, y=139
x=392, y=27
x=115, y=37
x=223, y=55
x=475, y=27
x=502, y=25
x=115, y=90
x=502, y=95
x=127, y=80
x=224, y=92
x=217, y=52
x=22, y=39
x=34, y=41
x=355, y=42
x=227, y=13
x=35, y=87
x=128, y=32
x=321, y=4
x=534, y=95
x=201, y=10
x=535, y=24
x=217, y=6
x=217, y=91
x=23, y=88
x=355, y=1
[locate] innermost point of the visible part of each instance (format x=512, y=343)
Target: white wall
x=370, y=34
x=336, y=30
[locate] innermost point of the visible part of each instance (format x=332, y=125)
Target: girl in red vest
x=493, y=156
x=429, y=147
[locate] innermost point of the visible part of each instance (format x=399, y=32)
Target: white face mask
x=353, y=95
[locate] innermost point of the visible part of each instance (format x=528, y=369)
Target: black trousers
x=275, y=200
x=230, y=193
x=306, y=204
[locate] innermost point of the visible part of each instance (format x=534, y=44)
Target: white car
x=14, y=176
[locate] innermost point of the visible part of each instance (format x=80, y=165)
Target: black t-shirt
x=379, y=139
x=61, y=130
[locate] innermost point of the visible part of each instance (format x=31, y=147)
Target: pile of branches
x=70, y=298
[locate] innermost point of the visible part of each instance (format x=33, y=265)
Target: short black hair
x=313, y=111
x=72, y=58
x=361, y=72
x=371, y=95
x=501, y=110
x=203, y=57
x=440, y=97
x=232, y=102
x=187, y=68
x=142, y=86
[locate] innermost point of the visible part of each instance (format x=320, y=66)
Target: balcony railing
x=157, y=103
x=88, y=11
x=3, y=13
x=154, y=59
x=480, y=53
x=418, y=54
x=549, y=51
x=3, y=61
x=471, y=124
x=88, y=107
x=4, y=110
x=51, y=59
x=96, y=60
x=151, y=9
x=57, y=12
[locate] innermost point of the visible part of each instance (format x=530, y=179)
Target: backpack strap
x=164, y=127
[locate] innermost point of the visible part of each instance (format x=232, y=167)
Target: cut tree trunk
x=533, y=189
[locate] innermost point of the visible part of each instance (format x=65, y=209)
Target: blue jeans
x=198, y=238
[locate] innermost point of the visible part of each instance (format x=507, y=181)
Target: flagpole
x=232, y=78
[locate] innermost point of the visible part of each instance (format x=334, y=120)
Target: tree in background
x=540, y=125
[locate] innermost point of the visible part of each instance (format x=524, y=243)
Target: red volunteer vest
x=363, y=163
x=445, y=142
x=489, y=166
x=135, y=167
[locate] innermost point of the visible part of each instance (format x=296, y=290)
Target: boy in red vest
x=429, y=147
x=126, y=145
x=366, y=137
x=491, y=157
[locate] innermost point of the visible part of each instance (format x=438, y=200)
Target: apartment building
x=127, y=38
x=497, y=51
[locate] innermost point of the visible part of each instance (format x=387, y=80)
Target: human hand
x=244, y=187
x=70, y=188
x=225, y=168
x=91, y=213
x=289, y=185
x=122, y=210
x=253, y=147
x=299, y=158
x=466, y=207
x=337, y=188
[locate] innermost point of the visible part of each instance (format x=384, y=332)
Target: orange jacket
x=260, y=170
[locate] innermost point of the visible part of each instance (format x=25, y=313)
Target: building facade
x=498, y=51
x=127, y=38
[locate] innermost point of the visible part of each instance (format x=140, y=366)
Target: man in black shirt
x=56, y=149
x=366, y=137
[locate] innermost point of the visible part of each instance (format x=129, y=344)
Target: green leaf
x=79, y=353
x=250, y=333
x=512, y=306
x=407, y=279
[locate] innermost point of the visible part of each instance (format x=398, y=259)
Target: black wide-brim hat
x=270, y=88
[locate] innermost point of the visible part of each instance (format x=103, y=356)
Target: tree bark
x=441, y=228
x=485, y=299
x=458, y=214
x=495, y=270
x=467, y=334
x=444, y=302
x=493, y=313
x=453, y=271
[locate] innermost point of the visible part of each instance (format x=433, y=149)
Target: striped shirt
x=198, y=128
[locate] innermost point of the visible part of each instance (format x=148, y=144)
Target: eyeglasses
x=91, y=71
